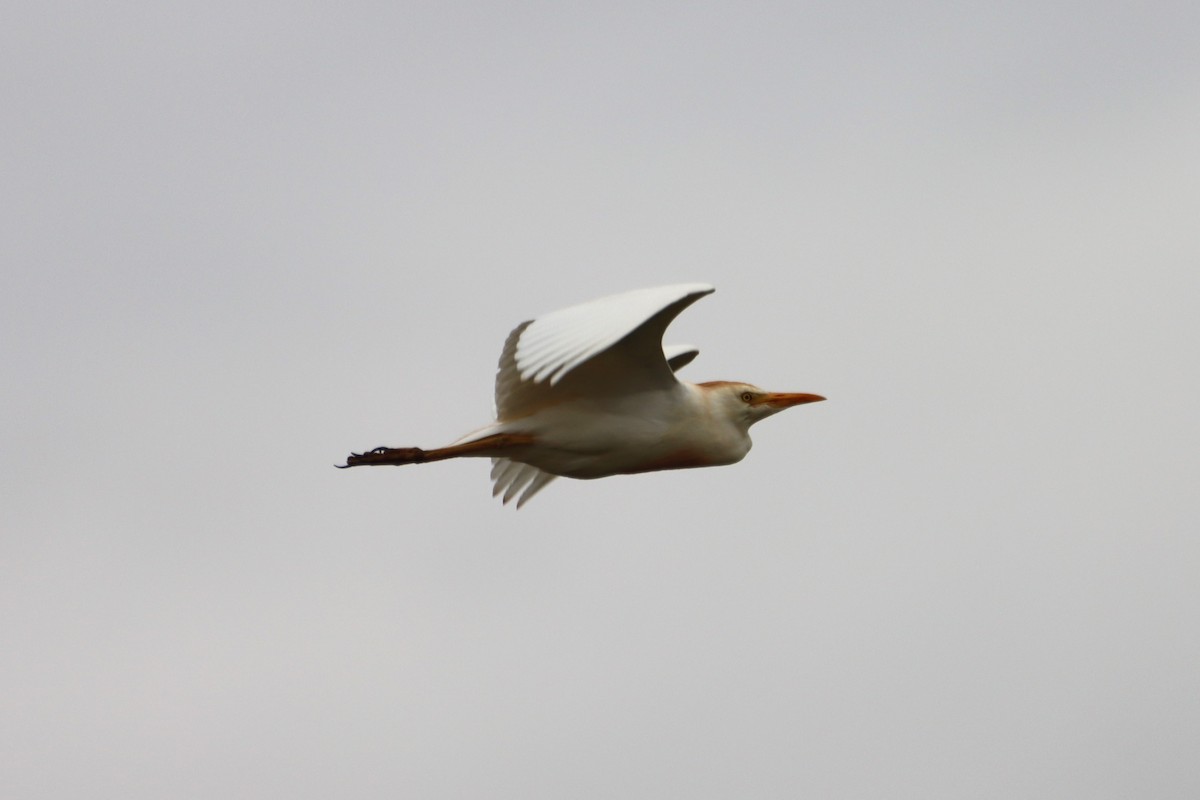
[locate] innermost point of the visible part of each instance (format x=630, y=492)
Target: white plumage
x=550, y=346
x=590, y=391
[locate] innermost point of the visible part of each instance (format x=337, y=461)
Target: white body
x=593, y=436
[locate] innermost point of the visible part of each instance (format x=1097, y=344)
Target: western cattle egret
x=590, y=391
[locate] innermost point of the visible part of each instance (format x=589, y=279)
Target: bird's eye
x=747, y=397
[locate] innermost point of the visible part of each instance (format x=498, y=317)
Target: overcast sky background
x=243, y=239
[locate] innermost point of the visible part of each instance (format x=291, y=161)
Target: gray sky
x=241, y=240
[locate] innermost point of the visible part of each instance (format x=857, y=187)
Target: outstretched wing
x=610, y=345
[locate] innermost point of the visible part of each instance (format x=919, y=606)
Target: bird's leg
x=385, y=455
x=492, y=445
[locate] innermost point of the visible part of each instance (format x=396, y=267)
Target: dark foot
x=380, y=456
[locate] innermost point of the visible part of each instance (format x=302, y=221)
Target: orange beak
x=782, y=400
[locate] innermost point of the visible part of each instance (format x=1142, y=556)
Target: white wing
x=511, y=477
x=613, y=345
x=552, y=345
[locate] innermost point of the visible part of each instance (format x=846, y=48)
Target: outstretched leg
x=497, y=444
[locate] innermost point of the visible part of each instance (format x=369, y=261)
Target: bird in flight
x=590, y=391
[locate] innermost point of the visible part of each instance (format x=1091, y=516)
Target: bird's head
x=746, y=404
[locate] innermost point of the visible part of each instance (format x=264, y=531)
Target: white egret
x=590, y=391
